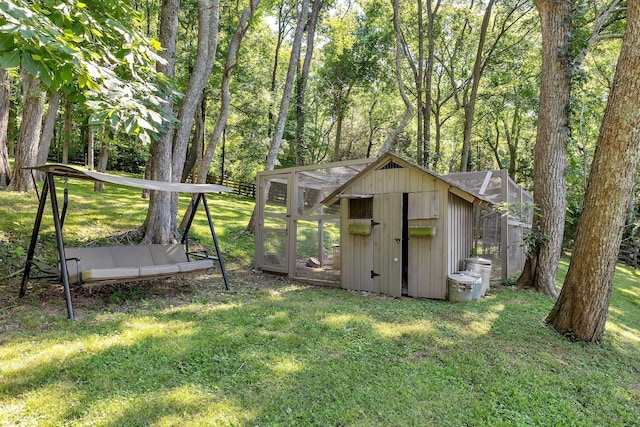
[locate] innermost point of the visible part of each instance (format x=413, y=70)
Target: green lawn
x=271, y=352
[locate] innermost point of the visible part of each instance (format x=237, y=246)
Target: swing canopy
x=176, y=187
x=118, y=264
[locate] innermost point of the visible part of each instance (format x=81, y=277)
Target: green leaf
x=66, y=74
x=145, y=124
x=130, y=125
x=7, y=42
x=10, y=60
x=32, y=67
x=97, y=118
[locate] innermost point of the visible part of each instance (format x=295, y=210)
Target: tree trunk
x=372, y=127
x=400, y=52
x=5, y=94
x=470, y=105
x=67, y=132
x=581, y=310
x=272, y=156
x=419, y=77
x=225, y=94
x=158, y=226
x=301, y=87
x=103, y=158
x=551, y=145
x=288, y=86
x=338, y=141
x=205, y=58
x=197, y=145
x=90, y=147
x=27, y=147
x=282, y=29
x=208, y=23
x=428, y=78
x=49, y=127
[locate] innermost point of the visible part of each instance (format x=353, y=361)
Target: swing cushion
x=115, y=263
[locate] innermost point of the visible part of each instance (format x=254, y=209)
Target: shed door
x=426, y=276
x=387, y=244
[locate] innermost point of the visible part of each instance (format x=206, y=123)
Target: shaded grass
x=272, y=352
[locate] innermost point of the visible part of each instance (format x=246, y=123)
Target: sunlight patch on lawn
x=142, y=328
x=482, y=326
x=202, y=309
x=184, y=405
x=275, y=295
x=42, y=406
x=472, y=324
x=286, y=366
x=339, y=321
x=397, y=330
x=278, y=320
x=21, y=357
x=632, y=292
x=623, y=332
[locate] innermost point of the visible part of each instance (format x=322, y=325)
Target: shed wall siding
x=459, y=233
x=427, y=262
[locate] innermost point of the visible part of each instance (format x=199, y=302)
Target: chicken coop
x=384, y=225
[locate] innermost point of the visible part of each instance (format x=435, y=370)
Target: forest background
x=450, y=85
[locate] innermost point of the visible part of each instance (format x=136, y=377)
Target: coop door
x=387, y=244
x=272, y=243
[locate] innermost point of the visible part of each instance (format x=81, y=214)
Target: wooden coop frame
x=293, y=227
x=285, y=207
x=499, y=231
x=117, y=264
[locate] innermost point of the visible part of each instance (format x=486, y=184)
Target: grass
x=276, y=353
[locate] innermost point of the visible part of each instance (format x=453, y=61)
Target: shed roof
x=386, y=158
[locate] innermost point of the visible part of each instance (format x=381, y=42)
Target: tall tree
x=301, y=84
x=563, y=49
x=284, y=16
x=470, y=101
x=583, y=304
x=48, y=127
x=67, y=131
x=278, y=131
x=551, y=145
x=208, y=20
x=432, y=12
x=158, y=226
x=30, y=126
x=225, y=94
x=5, y=94
x=400, y=53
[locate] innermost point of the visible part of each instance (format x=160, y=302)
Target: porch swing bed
x=117, y=264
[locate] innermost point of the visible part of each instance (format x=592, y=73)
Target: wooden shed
x=403, y=229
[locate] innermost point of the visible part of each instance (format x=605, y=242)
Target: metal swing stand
x=61, y=273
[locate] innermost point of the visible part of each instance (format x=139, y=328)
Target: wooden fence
x=629, y=254
x=246, y=189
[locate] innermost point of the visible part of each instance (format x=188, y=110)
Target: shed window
x=361, y=208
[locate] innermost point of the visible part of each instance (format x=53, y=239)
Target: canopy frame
x=198, y=192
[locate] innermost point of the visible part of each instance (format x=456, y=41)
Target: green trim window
x=361, y=208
